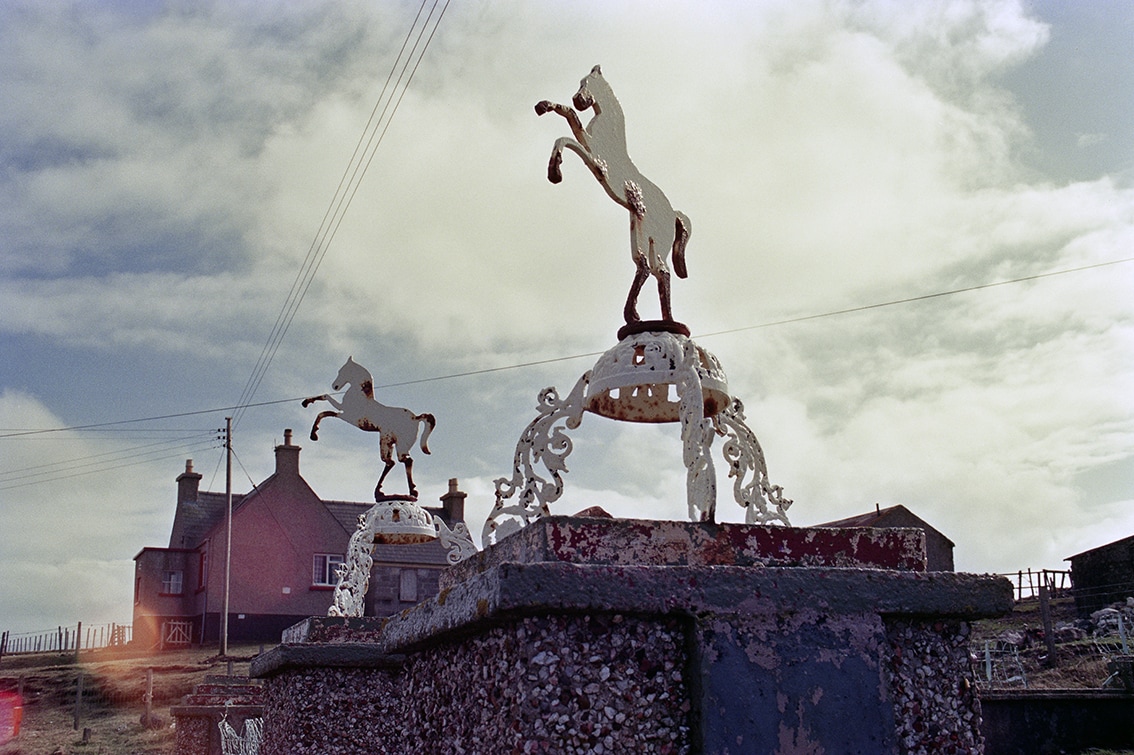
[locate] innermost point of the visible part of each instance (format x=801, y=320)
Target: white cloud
x=166, y=172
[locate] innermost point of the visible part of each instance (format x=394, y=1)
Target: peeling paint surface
x=635, y=541
x=704, y=643
x=794, y=684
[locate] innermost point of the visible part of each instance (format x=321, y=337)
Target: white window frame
x=172, y=582
x=324, y=569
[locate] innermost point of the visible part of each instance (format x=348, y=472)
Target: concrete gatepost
x=600, y=635
x=197, y=719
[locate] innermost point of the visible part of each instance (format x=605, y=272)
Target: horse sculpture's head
x=350, y=372
x=585, y=97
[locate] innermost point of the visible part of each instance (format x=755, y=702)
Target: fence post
x=987, y=662
x=78, y=640
x=3, y=644
x=149, y=698
x=78, y=698
x=1048, y=630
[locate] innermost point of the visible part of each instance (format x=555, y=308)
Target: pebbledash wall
x=580, y=635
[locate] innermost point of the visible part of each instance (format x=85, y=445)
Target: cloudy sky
x=166, y=169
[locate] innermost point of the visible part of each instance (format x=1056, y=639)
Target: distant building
x=286, y=545
x=1103, y=575
x=938, y=548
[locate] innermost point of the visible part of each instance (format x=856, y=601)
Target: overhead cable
x=368, y=143
x=552, y=360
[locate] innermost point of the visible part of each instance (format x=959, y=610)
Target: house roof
x=196, y=518
x=891, y=516
x=1120, y=541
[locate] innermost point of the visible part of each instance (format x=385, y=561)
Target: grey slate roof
x=195, y=518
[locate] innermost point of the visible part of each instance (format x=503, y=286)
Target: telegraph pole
x=228, y=531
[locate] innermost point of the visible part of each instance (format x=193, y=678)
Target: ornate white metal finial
x=393, y=519
x=656, y=373
x=656, y=228
x=397, y=427
x=391, y=522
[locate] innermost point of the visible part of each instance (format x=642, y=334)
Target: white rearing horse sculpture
x=397, y=427
x=655, y=227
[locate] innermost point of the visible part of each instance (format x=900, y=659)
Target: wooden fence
x=1027, y=583
x=65, y=639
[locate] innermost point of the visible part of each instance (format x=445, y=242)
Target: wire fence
x=66, y=639
x=1098, y=635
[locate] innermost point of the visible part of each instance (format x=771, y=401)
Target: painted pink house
x=286, y=544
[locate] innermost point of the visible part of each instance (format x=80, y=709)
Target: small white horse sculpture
x=655, y=227
x=398, y=427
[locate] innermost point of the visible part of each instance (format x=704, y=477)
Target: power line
x=923, y=297
x=90, y=460
x=552, y=360
x=132, y=461
x=369, y=141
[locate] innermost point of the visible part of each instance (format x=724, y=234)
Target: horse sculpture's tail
x=430, y=422
x=683, y=229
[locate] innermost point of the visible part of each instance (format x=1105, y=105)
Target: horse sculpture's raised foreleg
x=330, y=400
x=547, y=106
x=318, y=419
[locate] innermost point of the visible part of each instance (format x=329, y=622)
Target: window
x=171, y=582
x=203, y=567
x=407, y=590
x=324, y=569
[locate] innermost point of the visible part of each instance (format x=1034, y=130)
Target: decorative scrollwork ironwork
x=542, y=442
x=384, y=518
x=696, y=436
x=354, y=573
x=458, y=540
x=763, y=502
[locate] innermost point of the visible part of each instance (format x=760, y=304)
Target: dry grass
x=113, y=687
x=1077, y=665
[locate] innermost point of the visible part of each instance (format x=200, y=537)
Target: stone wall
x=554, y=656
x=332, y=711
x=566, y=684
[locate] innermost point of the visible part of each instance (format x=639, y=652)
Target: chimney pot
x=188, y=483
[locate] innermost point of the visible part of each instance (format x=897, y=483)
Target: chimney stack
x=453, y=504
x=188, y=482
x=287, y=457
